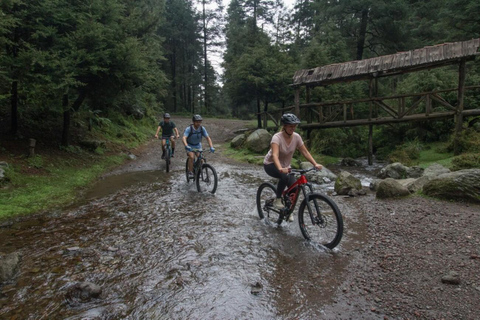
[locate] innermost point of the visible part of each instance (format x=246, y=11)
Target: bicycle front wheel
x=207, y=179
x=324, y=224
x=186, y=171
x=167, y=159
x=266, y=194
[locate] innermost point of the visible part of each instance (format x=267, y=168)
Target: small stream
x=160, y=250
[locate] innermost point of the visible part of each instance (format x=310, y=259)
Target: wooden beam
x=387, y=120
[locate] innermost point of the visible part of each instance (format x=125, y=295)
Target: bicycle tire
x=186, y=171
x=167, y=159
x=266, y=194
x=327, y=227
x=207, y=179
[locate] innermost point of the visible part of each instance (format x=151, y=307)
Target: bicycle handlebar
x=302, y=171
x=199, y=150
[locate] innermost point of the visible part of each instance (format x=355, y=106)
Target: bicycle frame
x=294, y=191
x=294, y=194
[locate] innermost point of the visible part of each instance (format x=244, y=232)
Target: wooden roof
x=401, y=62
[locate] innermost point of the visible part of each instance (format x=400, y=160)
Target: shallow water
x=161, y=250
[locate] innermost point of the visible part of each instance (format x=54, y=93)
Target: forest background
x=70, y=68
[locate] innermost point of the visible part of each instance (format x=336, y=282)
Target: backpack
x=191, y=133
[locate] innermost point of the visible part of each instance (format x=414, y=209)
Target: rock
x=256, y=288
x=320, y=177
x=238, y=140
x=8, y=266
x=259, y=141
x=391, y=188
x=346, y=182
x=350, y=162
x=451, y=278
x=418, y=184
x=83, y=291
x=414, y=172
x=435, y=170
x=374, y=184
x=394, y=170
x=462, y=184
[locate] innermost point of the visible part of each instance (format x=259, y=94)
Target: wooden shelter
x=392, y=109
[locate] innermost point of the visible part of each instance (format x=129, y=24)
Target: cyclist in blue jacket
x=192, y=139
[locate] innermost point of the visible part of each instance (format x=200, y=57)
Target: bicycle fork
x=315, y=217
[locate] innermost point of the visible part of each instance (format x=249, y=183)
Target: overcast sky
x=216, y=58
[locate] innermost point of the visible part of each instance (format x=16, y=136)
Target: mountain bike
x=319, y=218
x=168, y=154
x=204, y=174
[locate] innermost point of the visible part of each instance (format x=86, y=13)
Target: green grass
x=32, y=193
x=434, y=153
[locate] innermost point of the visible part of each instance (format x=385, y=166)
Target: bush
x=469, y=141
x=466, y=161
x=406, y=153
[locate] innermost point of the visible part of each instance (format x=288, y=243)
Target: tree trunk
x=14, y=105
x=66, y=121
x=361, y=34
x=259, y=116
x=205, y=68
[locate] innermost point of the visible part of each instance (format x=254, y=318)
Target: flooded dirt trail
x=160, y=250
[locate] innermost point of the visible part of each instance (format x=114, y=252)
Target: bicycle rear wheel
x=325, y=224
x=266, y=194
x=207, y=179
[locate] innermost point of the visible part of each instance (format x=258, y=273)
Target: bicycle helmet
x=197, y=117
x=166, y=116
x=289, y=118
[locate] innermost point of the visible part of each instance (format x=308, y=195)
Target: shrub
x=466, y=161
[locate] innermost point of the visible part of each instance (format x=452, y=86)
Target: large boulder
x=394, y=170
x=435, y=170
x=238, y=140
x=320, y=177
x=347, y=183
x=462, y=184
x=259, y=141
x=391, y=188
x=397, y=170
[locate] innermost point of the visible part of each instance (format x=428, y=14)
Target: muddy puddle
x=160, y=250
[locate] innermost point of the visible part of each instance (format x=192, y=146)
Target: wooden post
x=459, y=116
x=31, y=152
x=297, y=101
x=370, y=145
x=370, y=104
x=428, y=105
x=308, y=112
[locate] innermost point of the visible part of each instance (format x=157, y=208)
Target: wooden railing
x=381, y=110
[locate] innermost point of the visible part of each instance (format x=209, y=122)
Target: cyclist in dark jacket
x=169, y=130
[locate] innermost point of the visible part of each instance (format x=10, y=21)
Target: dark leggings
x=284, y=179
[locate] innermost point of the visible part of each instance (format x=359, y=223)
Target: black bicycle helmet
x=166, y=116
x=289, y=118
x=197, y=117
